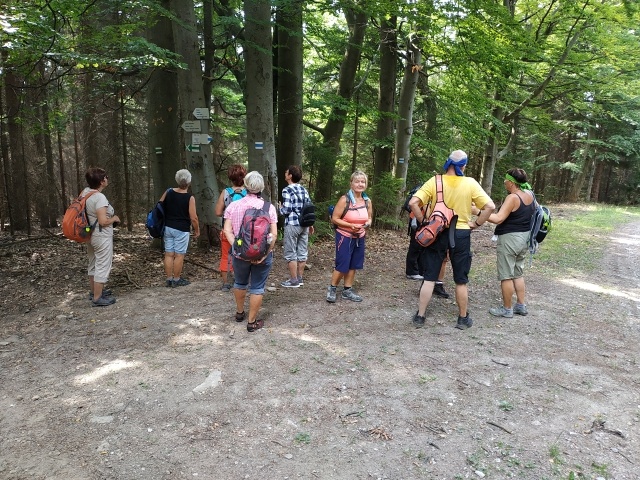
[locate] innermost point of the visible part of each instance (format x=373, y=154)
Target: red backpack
x=441, y=218
x=75, y=224
x=252, y=241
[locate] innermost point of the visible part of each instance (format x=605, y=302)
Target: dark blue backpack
x=155, y=220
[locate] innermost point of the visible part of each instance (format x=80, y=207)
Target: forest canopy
x=386, y=87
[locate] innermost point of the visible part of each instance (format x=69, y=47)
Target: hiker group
x=444, y=211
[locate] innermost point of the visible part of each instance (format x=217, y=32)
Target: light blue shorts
x=175, y=241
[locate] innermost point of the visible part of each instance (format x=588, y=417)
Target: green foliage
x=384, y=195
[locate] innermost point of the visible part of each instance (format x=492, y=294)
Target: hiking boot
x=331, y=294
x=103, y=302
x=439, y=291
x=291, y=283
x=105, y=293
x=464, y=322
x=351, y=295
x=418, y=321
x=520, y=309
x=501, y=312
x=169, y=284
x=300, y=281
x=415, y=277
x=181, y=282
x=226, y=287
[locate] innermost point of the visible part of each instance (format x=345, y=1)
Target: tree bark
x=289, y=86
x=16, y=171
x=259, y=94
x=406, y=101
x=382, y=157
x=204, y=185
x=163, y=113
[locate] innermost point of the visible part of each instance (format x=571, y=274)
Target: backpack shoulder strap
x=346, y=207
x=439, y=189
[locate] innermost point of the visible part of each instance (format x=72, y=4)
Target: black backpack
x=406, y=206
x=307, y=215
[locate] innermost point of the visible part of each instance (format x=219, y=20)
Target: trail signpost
x=191, y=126
x=201, y=113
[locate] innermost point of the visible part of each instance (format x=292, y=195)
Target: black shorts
x=460, y=257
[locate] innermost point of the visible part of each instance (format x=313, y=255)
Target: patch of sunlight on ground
x=592, y=287
x=100, y=372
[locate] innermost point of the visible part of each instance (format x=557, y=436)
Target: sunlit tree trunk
x=406, y=101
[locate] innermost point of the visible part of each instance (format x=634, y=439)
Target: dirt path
x=165, y=385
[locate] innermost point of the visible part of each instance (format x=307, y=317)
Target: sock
x=347, y=288
x=438, y=282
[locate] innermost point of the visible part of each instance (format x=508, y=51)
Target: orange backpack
x=75, y=224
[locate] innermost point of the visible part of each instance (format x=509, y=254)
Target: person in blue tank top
x=513, y=223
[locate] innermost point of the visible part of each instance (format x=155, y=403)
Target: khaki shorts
x=512, y=252
x=100, y=250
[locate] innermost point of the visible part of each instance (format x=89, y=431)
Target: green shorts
x=512, y=252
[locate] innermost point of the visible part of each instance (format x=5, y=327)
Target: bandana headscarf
x=523, y=186
x=458, y=159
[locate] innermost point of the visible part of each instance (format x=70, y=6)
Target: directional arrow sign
x=193, y=148
x=192, y=126
x=201, y=113
x=200, y=138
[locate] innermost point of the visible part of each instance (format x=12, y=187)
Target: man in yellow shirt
x=459, y=193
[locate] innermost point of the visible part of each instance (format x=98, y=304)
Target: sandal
x=253, y=326
x=240, y=317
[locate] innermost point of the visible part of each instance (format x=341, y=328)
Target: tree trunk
x=289, y=86
x=199, y=160
x=332, y=132
x=125, y=163
x=259, y=68
x=16, y=171
x=50, y=215
x=386, y=98
x=163, y=120
x=404, y=130
x=4, y=158
x=586, y=163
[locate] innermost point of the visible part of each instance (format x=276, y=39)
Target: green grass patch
x=579, y=236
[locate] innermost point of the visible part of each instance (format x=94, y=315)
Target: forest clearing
x=164, y=384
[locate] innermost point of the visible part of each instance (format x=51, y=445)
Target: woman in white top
x=100, y=248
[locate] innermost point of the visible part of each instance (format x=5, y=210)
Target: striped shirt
x=294, y=196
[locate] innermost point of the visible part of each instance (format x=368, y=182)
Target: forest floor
x=166, y=385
